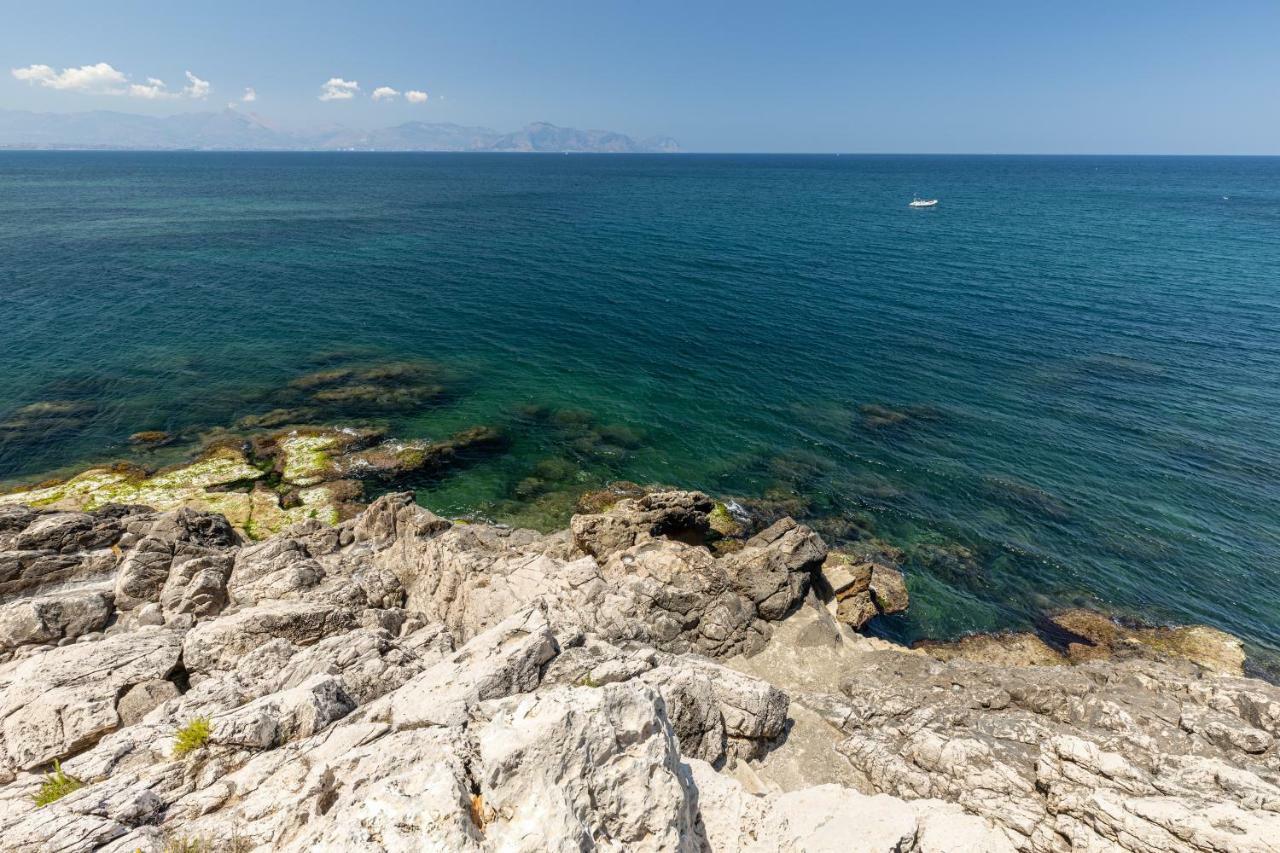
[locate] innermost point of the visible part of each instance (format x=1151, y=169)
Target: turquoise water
x=1076, y=361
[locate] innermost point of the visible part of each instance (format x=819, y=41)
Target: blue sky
x=1125, y=76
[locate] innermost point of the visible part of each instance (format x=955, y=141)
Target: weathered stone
x=888, y=590
x=403, y=682
x=221, y=643
x=276, y=569
x=59, y=702
x=832, y=819
x=844, y=577
x=54, y=617
x=631, y=521
x=197, y=585
x=140, y=699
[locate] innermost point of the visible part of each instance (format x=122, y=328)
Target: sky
x=1123, y=76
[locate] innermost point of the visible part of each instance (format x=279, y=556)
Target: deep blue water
x=1079, y=357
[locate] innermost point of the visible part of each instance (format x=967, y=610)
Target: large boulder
x=53, y=617
x=219, y=645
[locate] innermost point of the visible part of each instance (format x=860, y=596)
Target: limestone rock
x=278, y=568
x=1122, y=754
x=676, y=515
x=140, y=699
x=221, y=643
x=50, y=618
x=862, y=589
x=64, y=532
x=402, y=682
x=888, y=590
x=833, y=819
x=583, y=768
x=56, y=703
x=197, y=585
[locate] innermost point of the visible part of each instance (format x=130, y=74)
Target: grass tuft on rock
x=56, y=785
x=191, y=737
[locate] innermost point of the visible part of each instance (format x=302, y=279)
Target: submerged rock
x=46, y=416
x=279, y=418
x=1096, y=636
x=1086, y=635
x=877, y=416
x=151, y=438
x=392, y=459
x=386, y=386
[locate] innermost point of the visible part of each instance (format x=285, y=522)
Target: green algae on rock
x=395, y=458
x=601, y=500
x=267, y=482
x=305, y=457
x=723, y=522
x=212, y=483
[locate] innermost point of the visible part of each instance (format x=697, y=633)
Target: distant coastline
x=234, y=130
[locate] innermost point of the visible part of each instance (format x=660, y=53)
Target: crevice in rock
x=179, y=676
x=328, y=795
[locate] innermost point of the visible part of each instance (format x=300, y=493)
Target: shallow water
x=1059, y=386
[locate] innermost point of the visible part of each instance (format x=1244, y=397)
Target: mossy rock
x=202, y=485
x=723, y=522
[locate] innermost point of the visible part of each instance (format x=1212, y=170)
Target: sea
x=1059, y=387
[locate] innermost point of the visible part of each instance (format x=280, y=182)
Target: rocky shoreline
x=665, y=674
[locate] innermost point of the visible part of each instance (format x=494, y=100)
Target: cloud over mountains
x=103, y=79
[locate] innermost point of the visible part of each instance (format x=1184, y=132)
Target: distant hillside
x=236, y=130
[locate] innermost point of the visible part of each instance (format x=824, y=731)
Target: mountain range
x=232, y=129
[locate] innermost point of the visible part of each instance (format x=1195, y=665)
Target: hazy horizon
x=987, y=78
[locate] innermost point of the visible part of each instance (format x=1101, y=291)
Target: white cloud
x=384, y=93
x=413, y=96
x=249, y=95
x=152, y=90
x=196, y=88
x=338, y=89
x=100, y=79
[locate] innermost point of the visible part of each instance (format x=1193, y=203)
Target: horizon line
x=54, y=149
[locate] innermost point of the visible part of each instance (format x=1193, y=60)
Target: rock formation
x=399, y=681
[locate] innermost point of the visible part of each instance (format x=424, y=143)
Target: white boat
x=923, y=202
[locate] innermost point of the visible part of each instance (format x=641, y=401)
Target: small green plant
x=588, y=681
x=191, y=737
x=56, y=785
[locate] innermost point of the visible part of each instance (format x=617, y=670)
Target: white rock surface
x=401, y=683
